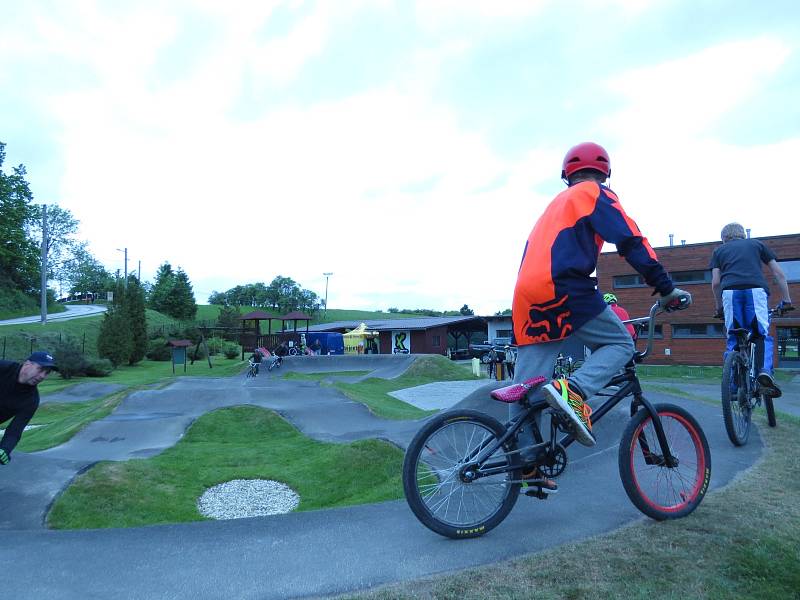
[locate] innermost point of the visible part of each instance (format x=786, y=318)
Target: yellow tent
x=356, y=341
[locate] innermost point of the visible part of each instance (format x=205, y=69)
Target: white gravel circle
x=241, y=498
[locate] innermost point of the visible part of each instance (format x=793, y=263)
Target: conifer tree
x=115, y=341
x=182, y=305
x=137, y=320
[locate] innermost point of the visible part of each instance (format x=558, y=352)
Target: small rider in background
x=623, y=315
x=741, y=295
x=256, y=359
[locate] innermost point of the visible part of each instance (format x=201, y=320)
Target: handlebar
x=651, y=323
x=780, y=310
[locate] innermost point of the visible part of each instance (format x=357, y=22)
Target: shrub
x=98, y=367
x=196, y=352
x=69, y=358
x=215, y=345
x=232, y=350
x=157, y=349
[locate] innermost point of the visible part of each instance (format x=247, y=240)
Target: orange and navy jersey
x=555, y=292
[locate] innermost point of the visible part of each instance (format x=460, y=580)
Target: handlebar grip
x=678, y=304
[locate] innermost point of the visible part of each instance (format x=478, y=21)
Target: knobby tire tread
x=733, y=368
x=410, y=483
x=630, y=444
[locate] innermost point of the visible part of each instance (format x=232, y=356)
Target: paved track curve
x=299, y=554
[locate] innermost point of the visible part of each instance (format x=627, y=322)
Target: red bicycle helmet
x=587, y=155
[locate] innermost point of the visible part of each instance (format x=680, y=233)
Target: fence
x=18, y=347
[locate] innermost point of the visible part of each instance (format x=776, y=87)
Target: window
x=691, y=276
x=628, y=281
x=436, y=341
x=698, y=330
x=787, y=340
x=658, y=332
x=503, y=333
x=792, y=269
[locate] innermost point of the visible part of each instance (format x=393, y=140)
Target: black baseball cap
x=43, y=359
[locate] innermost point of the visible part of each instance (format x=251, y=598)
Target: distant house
x=414, y=335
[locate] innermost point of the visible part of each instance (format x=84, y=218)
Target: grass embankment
x=696, y=374
x=374, y=392
x=18, y=340
x=60, y=421
x=243, y=442
x=743, y=542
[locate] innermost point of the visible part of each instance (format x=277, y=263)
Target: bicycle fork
x=665, y=459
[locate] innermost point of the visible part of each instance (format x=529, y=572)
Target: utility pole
x=125, y=283
x=44, y=264
x=139, y=276
x=325, y=314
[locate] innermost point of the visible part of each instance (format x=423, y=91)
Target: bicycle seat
x=516, y=392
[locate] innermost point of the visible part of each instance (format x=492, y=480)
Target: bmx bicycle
x=462, y=472
x=741, y=392
x=252, y=369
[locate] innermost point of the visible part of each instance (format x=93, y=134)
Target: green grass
x=374, y=392
x=60, y=421
x=149, y=372
x=63, y=420
x=243, y=442
x=699, y=374
x=17, y=340
x=743, y=542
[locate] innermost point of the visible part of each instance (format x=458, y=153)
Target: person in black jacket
x=19, y=396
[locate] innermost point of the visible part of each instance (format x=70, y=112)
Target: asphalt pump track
x=316, y=553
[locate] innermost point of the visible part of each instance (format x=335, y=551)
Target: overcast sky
x=407, y=147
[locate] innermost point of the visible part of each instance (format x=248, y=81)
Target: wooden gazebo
x=260, y=315
x=295, y=316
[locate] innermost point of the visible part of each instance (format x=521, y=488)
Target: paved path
x=300, y=554
x=73, y=311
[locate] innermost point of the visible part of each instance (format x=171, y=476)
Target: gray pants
x=611, y=348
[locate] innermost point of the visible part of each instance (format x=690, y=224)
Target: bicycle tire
x=437, y=496
x=770, y=407
x=659, y=491
x=736, y=408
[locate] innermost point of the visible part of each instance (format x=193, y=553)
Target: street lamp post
x=326, y=292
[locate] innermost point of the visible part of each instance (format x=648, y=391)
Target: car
x=481, y=351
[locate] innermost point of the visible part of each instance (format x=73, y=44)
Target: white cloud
x=673, y=172
x=388, y=187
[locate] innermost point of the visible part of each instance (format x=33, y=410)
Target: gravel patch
x=241, y=498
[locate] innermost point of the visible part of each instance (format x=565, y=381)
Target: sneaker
x=570, y=404
x=534, y=478
x=766, y=381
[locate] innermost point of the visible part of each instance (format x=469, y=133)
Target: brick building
x=693, y=336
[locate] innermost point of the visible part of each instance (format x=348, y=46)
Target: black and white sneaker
x=768, y=385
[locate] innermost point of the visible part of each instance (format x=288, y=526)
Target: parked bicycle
x=462, y=472
x=741, y=392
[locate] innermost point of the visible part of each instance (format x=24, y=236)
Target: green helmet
x=609, y=298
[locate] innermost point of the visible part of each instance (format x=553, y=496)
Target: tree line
x=282, y=295
x=70, y=264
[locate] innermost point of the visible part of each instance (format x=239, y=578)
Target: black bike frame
x=629, y=385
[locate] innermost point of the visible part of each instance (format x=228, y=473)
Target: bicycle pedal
x=537, y=492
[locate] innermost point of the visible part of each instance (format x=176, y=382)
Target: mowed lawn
x=244, y=442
